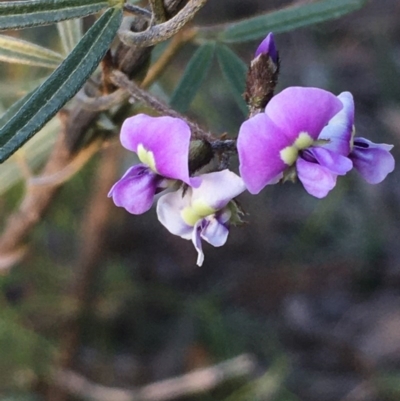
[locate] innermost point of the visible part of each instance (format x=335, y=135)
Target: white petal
x=169, y=209
x=218, y=189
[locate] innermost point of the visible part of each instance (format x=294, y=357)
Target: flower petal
x=267, y=46
x=167, y=138
x=214, y=232
x=169, y=208
x=136, y=189
x=317, y=180
x=373, y=161
x=196, y=239
x=259, y=144
x=334, y=162
x=297, y=109
x=217, y=189
x=340, y=127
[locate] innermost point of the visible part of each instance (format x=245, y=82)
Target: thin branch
x=157, y=7
x=159, y=33
x=102, y=103
x=130, y=8
x=196, y=382
x=105, y=102
x=121, y=80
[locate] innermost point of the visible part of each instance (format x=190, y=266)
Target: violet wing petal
x=334, y=162
x=169, y=208
x=136, y=189
x=259, y=144
x=373, y=161
x=317, y=180
x=217, y=189
x=339, y=129
x=214, y=232
x=298, y=109
x=267, y=46
x=168, y=138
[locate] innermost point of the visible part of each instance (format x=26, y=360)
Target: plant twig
x=159, y=33
x=157, y=7
x=121, y=80
x=132, y=9
x=191, y=383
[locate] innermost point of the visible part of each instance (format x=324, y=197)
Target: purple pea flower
x=162, y=145
x=204, y=212
x=291, y=133
x=373, y=161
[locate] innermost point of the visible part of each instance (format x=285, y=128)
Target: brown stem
x=121, y=80
x=159, y=33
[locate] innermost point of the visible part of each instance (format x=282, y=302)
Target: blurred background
x=309, y=288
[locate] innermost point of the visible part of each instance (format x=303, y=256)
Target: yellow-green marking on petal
x=303, y=141
x=198, y=210
x=147, y=157
x=202, y=209
x=290, y=153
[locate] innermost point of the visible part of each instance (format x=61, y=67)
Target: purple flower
x=292, y=132
x=372, y=160
x=267, y=46
x=162, y=145
x=204, y=212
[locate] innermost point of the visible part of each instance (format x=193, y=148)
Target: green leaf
x=194, y=75
x=11, y=111
x=234, y=71
x=13, y=50
x=70, y=33
x=22, y=14
x=288, y=19
x=62, y=84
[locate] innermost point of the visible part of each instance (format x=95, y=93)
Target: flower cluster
x=304, y=133
x=202, y=209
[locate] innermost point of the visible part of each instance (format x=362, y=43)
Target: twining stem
x=130, y=8
x=157, y=8
x=159, y=33
x=105, y=102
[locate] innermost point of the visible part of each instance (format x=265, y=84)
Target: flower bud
x=262, y=75
x=200, y=154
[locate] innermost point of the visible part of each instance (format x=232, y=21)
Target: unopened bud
x=200, y=154
x=262, y=75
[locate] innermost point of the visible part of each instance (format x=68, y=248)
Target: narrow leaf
x=62, y=84
x=25, y=13
x=288, y=19
x=13, y=50
x=194, y=75
x=70, y=33
x=234, y=71
x=11, y=111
